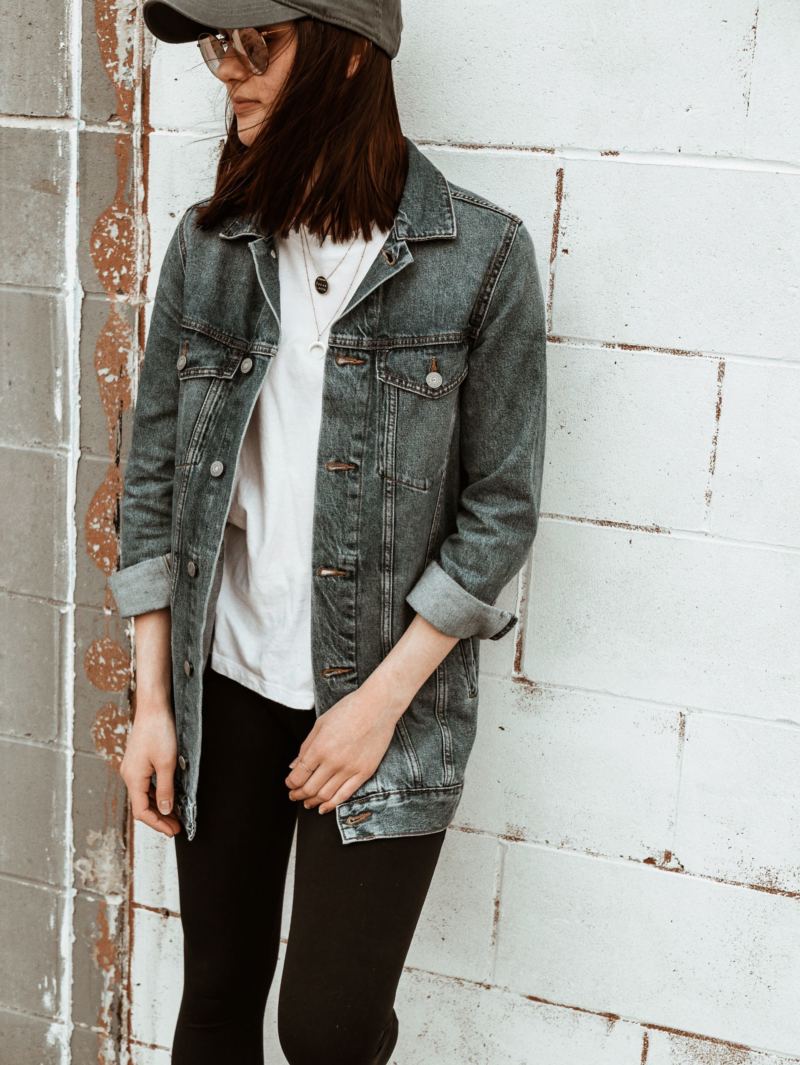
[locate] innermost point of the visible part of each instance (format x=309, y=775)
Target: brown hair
x=348, y=127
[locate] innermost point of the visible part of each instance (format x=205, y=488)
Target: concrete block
x=573, y=769
x=109, y=352
x=107, y=239
x=99, y=808
x=572, y=75
x=457, y=1023
x=649, y=616
x=31, y=968
x=629, y=435
x=667, y=949
x=738, y=814
x=33, y=193
x=156, y=983
x=33, y=797
x=35, y=559
x=31, y=700
x=756, y=485
x=677, y=257
x=34, y=395
x=454, y=932
x=31, y=1040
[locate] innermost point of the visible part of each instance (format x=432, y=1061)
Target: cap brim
x=186, y=20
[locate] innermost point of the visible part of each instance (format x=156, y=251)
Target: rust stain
x=712, y=462
x=750, y=52
x=109, y=733
x=112, y=243
x=608, y=523
x=660, y=349
x=113, y=380
x=471, y=146
x=645, y=1048
x=107, y=665
x=100, y=522
x=711, y=1039
x=102, y=857
x=551, y=279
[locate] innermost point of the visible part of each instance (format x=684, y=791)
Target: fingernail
x=165, y=806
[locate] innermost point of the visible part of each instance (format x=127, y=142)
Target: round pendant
x=321, y=284
x=317, y=348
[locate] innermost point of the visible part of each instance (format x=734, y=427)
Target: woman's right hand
x=152, y=741
x=152, y=747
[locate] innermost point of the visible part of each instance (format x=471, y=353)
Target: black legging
x=354, y=910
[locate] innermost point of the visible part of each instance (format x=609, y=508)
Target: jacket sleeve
x=502, y=434
x=142, y=582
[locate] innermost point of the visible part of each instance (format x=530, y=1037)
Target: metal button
x=247, y=365
x=181, y=761
x=188, y=668
x=272, y=253
x=182, y=360
x=216, y=468
x=433, y=379
x=191, y=567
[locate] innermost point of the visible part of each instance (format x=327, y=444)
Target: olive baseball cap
x=378, y=20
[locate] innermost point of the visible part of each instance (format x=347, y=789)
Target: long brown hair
x=348, y=127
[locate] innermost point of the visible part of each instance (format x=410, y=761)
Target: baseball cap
x=380, y=21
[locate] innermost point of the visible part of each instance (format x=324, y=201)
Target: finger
x=328, y=790
x=165, y=789
x=321, y=775
x=345, y=791
x=169, y=825
x=302, y=771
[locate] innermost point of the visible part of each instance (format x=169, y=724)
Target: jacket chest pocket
x=418, y=400
x=205, y=368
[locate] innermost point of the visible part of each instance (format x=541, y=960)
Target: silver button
x=181, y=761
x=216, y=468
x=188, y=668
x=191, y=567
x=182, y=360
x=433, y=379
x=247, y=365
x=272, y=253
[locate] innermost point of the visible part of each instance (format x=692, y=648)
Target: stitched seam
x=495, y=271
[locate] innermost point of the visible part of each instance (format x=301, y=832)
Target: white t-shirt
x=262, y=628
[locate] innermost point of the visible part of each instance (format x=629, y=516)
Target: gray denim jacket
x=428, y=480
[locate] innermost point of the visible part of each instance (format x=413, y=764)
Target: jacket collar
x=425, y=210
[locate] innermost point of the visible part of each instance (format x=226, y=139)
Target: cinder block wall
x=621, y=885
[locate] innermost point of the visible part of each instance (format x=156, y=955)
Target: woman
x=342, y=400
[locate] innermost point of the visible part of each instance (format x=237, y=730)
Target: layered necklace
x=321, y=284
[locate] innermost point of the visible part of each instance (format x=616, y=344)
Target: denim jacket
x=428, y=478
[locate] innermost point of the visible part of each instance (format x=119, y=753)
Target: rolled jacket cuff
x=453, y=610
x=143, y=586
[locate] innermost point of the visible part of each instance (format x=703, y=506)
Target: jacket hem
x=405, y=812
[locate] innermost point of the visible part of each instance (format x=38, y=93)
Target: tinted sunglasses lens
x=212, y=51
x=250, y=43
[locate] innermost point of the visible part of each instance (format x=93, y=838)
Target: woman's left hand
x=342, y=750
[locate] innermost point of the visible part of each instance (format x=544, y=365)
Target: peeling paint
x=100, y=868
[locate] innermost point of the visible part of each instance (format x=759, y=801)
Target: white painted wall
x=621, y=885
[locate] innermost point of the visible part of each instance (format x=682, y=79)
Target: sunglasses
x=250, y=44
